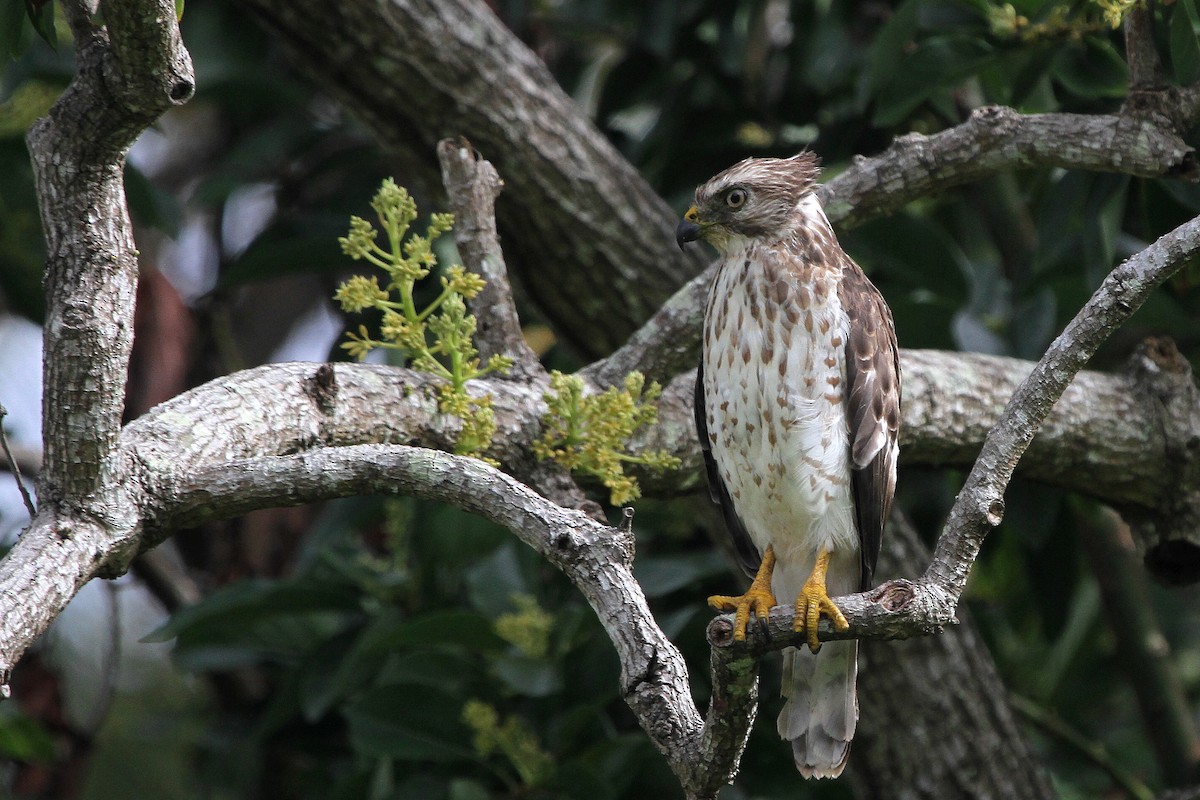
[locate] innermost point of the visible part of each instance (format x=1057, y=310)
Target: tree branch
x=902, y=608
x=449, y=68
x=997, y=138
x=1141, y=52
x=598, y=560
x=473, y=186
x=1169, y=536
x=980, y=504
x=126, y=75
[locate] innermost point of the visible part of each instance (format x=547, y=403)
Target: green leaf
x=527, y=676
x=12, y=25
x=410, y=723
x=242, y=603
x=938, y=62
x=662, y=575
x=888, y=49
x=1185, y=42
x=42, y=18
x=25, y=739
x=1091, y=68
x=333, y=678
x=454, y=671
x=494, y=581
x=465, y=789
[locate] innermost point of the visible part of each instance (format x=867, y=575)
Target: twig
x=1145, y=68
x=16, y=469
x=473, y=186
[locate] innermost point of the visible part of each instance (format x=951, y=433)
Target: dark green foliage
x=364, y=656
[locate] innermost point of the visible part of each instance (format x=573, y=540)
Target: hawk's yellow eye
x=736, y=198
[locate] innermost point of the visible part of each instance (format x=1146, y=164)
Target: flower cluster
x=438, y=338
x=510, y=737
x=590, y=433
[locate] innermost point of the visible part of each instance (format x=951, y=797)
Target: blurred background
x=390, y=648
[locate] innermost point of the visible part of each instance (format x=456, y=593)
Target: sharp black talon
x=764, y=626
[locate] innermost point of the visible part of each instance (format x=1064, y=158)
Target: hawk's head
x=755, y=198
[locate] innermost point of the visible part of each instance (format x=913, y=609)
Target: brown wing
x=747, y=554
x=873, y=408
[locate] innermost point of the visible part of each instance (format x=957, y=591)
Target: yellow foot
x=813, y=601
x=758, y=598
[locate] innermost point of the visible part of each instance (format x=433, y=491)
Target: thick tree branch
x=443, y=68
x=126, y=75
x=450, y=68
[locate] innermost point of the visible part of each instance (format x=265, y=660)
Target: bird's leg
x=813, y=600
x=758, y=598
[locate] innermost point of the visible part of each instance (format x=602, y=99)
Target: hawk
x=798, y=409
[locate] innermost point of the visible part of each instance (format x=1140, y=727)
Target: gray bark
x=444, y=69
x=334, y=430
x=590, y=242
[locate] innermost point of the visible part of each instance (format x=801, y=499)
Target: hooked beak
x=688, y=229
